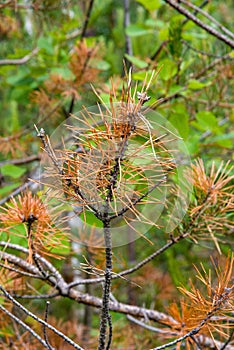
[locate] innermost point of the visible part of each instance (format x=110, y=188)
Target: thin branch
x=73, y=34
x=165, y=42
x=39, y=320
x=150, y=328
x=87, y=17
x=67, y=113
x=136, y=311
x=216, y=307
x=55, y=278
x=13, y=259
x=173, y=241
x=211, y=343
x=19, y=61
x=210, y=66
x=22, y=273
x=44, y=327
x=225, y=345
x=128, y=43
x=40, y=296
x=137, y=266
x=24, y=325
x=204, y=3
x=205, y=14
x=159, y=50
x=137, y=200
x=48, y=149
x=21, y=161
x=196, y=20
x=18, y=190
x=200, y=51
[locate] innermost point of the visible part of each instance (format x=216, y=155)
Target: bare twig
x=19, y=61
x=208, y=54
x=40, y=296
x=136, y=311
x=24, y=325
x=199, y=74
x=217, y=305
x=173, y=241
x=225, y=345
x=73, y=34
x=205, y=14
x=44, y=327
x=49, y=150
x=13, y=259
x=203, y=4
x=22, y=273
x=150, y=328
x=196, y=20
x=21, y=161
x=19, y=190
x=39, y=320
x=87, y=17
x=159, y=50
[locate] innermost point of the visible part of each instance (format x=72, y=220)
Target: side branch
x=39, y=320
x=24, y=325
x=19, y=61
x=196, y=20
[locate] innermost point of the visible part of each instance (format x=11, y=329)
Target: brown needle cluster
x=115, y=158
x=29, y=210
x=82, y=71
x=214, y=199
x=209, y=309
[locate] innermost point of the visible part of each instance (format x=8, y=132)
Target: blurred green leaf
x=136, y=61
x=12, y=170
x=196, y=85
x=150, y=5
x=7, y=189
x=100, y=64
x=180, y=120
x=207, y=121
x=169, y=69
x=175, y=32
x=17, y=78
x=135, y=30
x=46, y=43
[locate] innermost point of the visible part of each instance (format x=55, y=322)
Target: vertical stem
x=131, y=251
x=87, y=17
x=128, y=43
x=105, y=315
x=88, y=309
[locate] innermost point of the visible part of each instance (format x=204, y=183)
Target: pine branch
x=24, y=325
x=196, y=20
x=39, y=320
x=205, y=14
x=133, y=310
x=216, y=307
x=44, y=327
